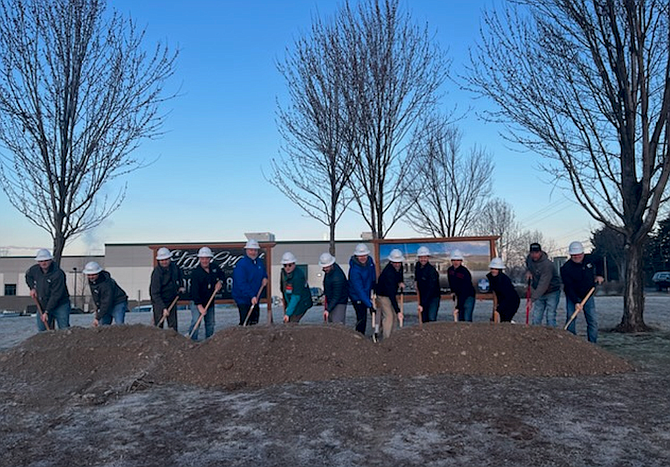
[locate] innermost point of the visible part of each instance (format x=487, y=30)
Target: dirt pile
x=95, y=363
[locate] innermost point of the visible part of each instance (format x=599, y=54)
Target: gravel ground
x=135, y=396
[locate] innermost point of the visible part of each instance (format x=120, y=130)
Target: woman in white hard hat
x=362, y=275
x=206, y=280
x=249, y=280
x=501, y=285
x=428, y=285
x=49, y=288
x=110, y=300
x=166, y=283
x=294, y=288
x=460, y=283
x=335, y=290
x=388, y=283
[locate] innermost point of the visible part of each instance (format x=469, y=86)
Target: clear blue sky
x=206, y=183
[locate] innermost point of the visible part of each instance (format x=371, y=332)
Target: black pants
x=244, y=310
x=171, y=319
x=361, y=316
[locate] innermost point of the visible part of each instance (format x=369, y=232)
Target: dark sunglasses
x=289, y=265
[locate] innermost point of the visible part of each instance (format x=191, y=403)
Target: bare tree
x=316, y=165
x=587, y=85
x=391, y=72
x=448, y=187
x=77, y=94
x=497, y=218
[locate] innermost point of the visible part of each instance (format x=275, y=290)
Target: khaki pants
x=388, y=319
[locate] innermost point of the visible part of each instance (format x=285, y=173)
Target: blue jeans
x=590, y=316
x=430, y=312
x=546, y=304
x=208, y=319
x=118, y=313
x=59, y=315
x=468, y=307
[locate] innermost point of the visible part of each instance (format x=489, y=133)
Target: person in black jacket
x=47, y=286
x=579, y=274
x=206, y=280
x=110, y=299
x=427, y=285
x=165, y=286
x=388, y=283
x=506, y=295
x=335, y=290
x=460, y=283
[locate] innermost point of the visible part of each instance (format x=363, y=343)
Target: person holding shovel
x=460, y=283
x=388, y=283
x=110, y=300
x=49, y=290
x=508, y=300
x=206, y=281
x=362, y=278
x=427, y=285
x=545, y=286
x=164, y=289
x=580, y=274
x=294, y=288
x=335, y=290
x=249, y=279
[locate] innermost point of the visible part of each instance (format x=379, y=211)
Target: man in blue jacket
x=362, y=278
x=249, y=277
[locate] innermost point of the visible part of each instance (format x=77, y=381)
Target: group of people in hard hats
x=368, y=293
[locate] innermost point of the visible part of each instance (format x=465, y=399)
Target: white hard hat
x=43, y=255
x=288, y=258
x=396, y=256
x=361, y=250
x=326, y=259
x=252, y=244
x=456, y=254
x=205, y=252
x=576, y=248
x=423, y=251
x=163, y=253
x=496, y=263
x=92, y=268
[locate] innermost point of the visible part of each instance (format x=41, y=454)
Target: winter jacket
x=50, y=286
x=248, y=277
x=387, y=284
x=295, y=289
x=361, y=280
x=460, y=283
x=203, y=283
x=508, y=298
x=106, y=294
x=335, y=288
x=427, y=283
x=545, y=276
x=578, y=278
x=164, y=286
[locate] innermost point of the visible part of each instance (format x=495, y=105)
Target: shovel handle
x=169, y=309
x=197, y=323
x=581, y=305
x=44, y=319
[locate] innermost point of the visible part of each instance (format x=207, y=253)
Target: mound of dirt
x=93, y=364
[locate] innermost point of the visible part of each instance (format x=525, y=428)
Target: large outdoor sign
x=226, y=257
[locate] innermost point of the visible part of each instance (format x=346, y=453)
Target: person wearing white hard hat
x=545, y=286
x=580, y=273
x=501, y=285
x=294, y=288
x=335, y=290
x=206, y=281
x=249, y=280
x=110, y=300
x=362, y=278
x=427, y=281
x=165, y=285
x=460, y=283
x=48, y=288
x=388, y=283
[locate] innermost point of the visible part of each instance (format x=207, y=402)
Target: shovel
x=455, y=312
x=418, y=301
x=375, y=326
x=197, y=323
x=528, y=302
x=43, y=317
x=495, y=316
x=581, y=306
x=401, y=315
x=253, y=306
x=169, y=309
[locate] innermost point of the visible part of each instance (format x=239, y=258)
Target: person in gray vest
x=545, y=286
x=48, y=288
x=110, y=300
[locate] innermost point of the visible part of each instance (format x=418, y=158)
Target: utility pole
x=75, y=286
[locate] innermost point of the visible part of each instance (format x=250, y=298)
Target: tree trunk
x=332, y=239
x=633, y=297
x=59, y=246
